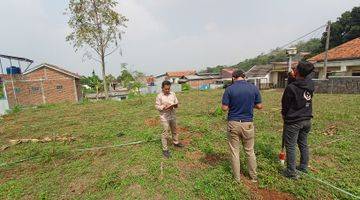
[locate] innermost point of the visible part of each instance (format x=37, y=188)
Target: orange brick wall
x=198, y=83
x=44, y=79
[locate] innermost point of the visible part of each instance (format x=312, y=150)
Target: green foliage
x=218, y=112
x=216, y=69
x=15, y=109
x=345, y=28
x=125, y=77
x=185, y=87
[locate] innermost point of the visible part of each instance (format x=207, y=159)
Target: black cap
x=304, y=68
x=238, y=73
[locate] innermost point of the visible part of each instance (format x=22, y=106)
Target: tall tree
x=345, y=28
x=97, y=25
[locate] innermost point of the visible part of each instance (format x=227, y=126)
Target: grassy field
x=199, y=171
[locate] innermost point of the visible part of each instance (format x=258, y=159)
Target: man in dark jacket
x=297, y=113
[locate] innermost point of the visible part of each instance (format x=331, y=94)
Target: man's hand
x=258, y=106
x=225, y=107
x=170, y=107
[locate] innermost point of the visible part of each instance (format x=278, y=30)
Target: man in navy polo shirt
x=240, y=99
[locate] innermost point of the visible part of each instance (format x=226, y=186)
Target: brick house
x=42, y=84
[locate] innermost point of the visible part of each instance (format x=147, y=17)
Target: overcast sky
x=167, y=35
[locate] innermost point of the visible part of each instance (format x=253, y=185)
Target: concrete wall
x=338, y=85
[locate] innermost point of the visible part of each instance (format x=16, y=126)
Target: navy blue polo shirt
x=241, y=97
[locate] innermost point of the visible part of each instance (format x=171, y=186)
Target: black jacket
x=297, y=101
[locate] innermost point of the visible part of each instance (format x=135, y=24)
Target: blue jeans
x=296, y=133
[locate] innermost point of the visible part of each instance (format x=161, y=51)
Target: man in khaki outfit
x=240, y=99
x=166, y=103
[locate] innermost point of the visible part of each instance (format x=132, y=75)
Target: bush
x=16, y=109
x=218, y=112
x=185, y=87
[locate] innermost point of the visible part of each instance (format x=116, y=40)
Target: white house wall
x=347, y=66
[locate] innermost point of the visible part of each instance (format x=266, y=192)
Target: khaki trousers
x=244, y=132
x=169, y=125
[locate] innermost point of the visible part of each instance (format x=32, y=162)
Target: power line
x=287, y=44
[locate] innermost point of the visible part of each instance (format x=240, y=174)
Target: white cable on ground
x=84, y=149
x=113, y=146
x=330, y=185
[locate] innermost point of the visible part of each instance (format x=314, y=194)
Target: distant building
x=199, y=80
x=42, y=84
x=260, y=75
x=173, y=77
x=226, y=74
x=343, y=60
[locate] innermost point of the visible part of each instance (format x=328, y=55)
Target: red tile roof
x=347, y=51
x=180, y=73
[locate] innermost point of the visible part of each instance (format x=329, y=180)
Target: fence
x=338, y=85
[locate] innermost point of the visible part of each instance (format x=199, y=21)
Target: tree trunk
x=104, y=76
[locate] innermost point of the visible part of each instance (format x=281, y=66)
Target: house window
x=356, y=74
x=59, y=88
x=35, y=90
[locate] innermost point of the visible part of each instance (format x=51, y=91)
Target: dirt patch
x=192, y=163
x=187, y=166
x=17, y=172
x=194, y=155
x=265, y=194
x=187, y=136
x=331, y=130
x=136, y=191
x=79, y=185
x=214, y=158
x=152, y=122
x=182, y=129
x=325, y=161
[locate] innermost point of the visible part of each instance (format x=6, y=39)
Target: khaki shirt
x=162, y=101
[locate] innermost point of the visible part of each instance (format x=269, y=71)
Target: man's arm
x=286, y=101
x=226, y=100
x=258, y=105
x=176, y=104
x=158, y=105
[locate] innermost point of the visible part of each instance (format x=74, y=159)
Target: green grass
x=200, y=171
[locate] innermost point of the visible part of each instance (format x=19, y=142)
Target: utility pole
x=326, y=49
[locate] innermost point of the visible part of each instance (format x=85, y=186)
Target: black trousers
x=296, y=133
